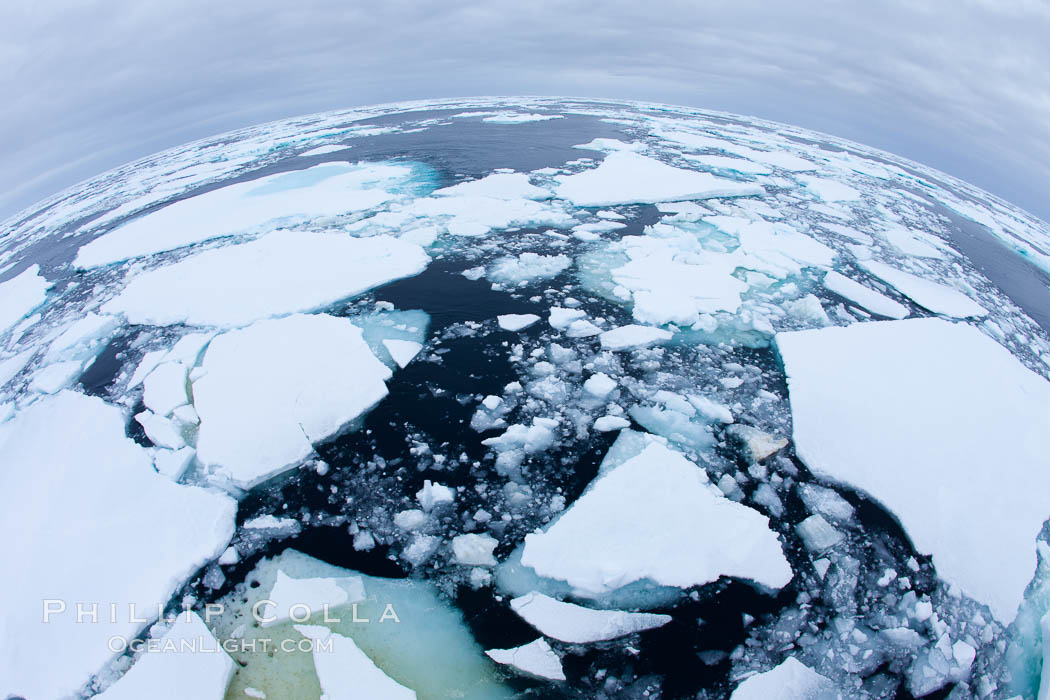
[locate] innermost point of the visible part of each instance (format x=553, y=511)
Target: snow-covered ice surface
x=269, y=391
x=437, y=343
x=791, y=680
x=84, y=537
x=933, y=391
x=187, y=662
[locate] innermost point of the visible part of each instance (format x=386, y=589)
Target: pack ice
x=898, y=409
x=98, y=525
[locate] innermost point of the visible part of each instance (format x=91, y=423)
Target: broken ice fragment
x=187, y=663
x=346, y=672
x=576, y=624
x=535, y=659
x=516, y=322
x=474, y=550
x=791, y=680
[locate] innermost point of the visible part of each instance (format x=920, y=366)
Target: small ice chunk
x=474, y=550
x=822, y=500
x=516, y=322
x=161, y=431
x=410, y=519
x=818, y=534
x=711, y=409
x=173, y=463
x=403, y=351
x=528, y=267
x=271, y=522
x=808, y=309
x=599, y=385
x=561, y=317
x=863, y=296
x=346, y=672
x=576, y=624
x=187, y=662
x=633, y=336
x=535, y=659
x=791, y=680
x=433, y=495
x=582, y=328
x=757, y=443
x=53, y=378
x=607, y=424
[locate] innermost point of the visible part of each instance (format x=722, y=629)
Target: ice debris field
x=543, y=398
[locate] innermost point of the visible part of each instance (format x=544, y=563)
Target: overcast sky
x=962, y=85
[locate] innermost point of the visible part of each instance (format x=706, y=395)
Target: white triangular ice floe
x=402, y=351
x=657, y=518
x=943, y=426
x=535, y=659
x=516, y=322
x=863, y=296
x=346, y=672
x=298, y=598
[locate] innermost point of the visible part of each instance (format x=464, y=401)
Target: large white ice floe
x=344, y=671
x=938, y=298
x=400, y=628
x=899, y=410
x=97, y=525
x=568, y=622
x=629, y=178
x=498, y=186
x=534, y=659
x=791, y=680
x=655, y=518
x=186, y=662
x=271, y=390
x=20, y=295
x=281, y=273
x=329, y=189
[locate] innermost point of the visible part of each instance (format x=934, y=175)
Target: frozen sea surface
x=608, y=400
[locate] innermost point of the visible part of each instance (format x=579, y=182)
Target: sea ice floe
x=20, y=295
x=187, y=662
x=791, y=680
x=281, y=273
x=534, y=659
x=864, y=297
x=895, y=408
x=474, y=550
x=527, y=267
x=938, y=298
x=829, y=190
x=913, y=242
x=633, y=336
x=271, y=390
x=568, y=622
x=402, y=351
x=516, y=322
x=165, y=388
x=639, y=522
x=505, y=186
x=344, y=671
x=108, y=529
x=404, y=627
x=629, y=178
x=329, y=189
x=299, y=598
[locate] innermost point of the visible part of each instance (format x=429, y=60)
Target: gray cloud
x=960, y=85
